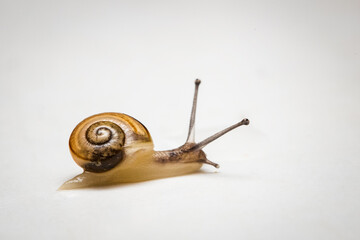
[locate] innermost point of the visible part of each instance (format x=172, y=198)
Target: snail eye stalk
x=191, y=133
x=210, y=139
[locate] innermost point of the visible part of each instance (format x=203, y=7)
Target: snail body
x=116, y=148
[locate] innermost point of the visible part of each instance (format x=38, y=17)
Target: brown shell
x=98, y=143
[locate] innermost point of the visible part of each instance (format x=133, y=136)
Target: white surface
x=291, y=67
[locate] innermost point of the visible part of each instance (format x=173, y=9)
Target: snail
x=116, y=148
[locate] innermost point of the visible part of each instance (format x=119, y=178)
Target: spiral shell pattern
x=104, y=132
x=97, y=143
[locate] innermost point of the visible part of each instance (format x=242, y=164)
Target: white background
x=291, y=67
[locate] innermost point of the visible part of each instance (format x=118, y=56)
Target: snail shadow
x=77, y=183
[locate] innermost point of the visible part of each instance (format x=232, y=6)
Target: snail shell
x=101, y=142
